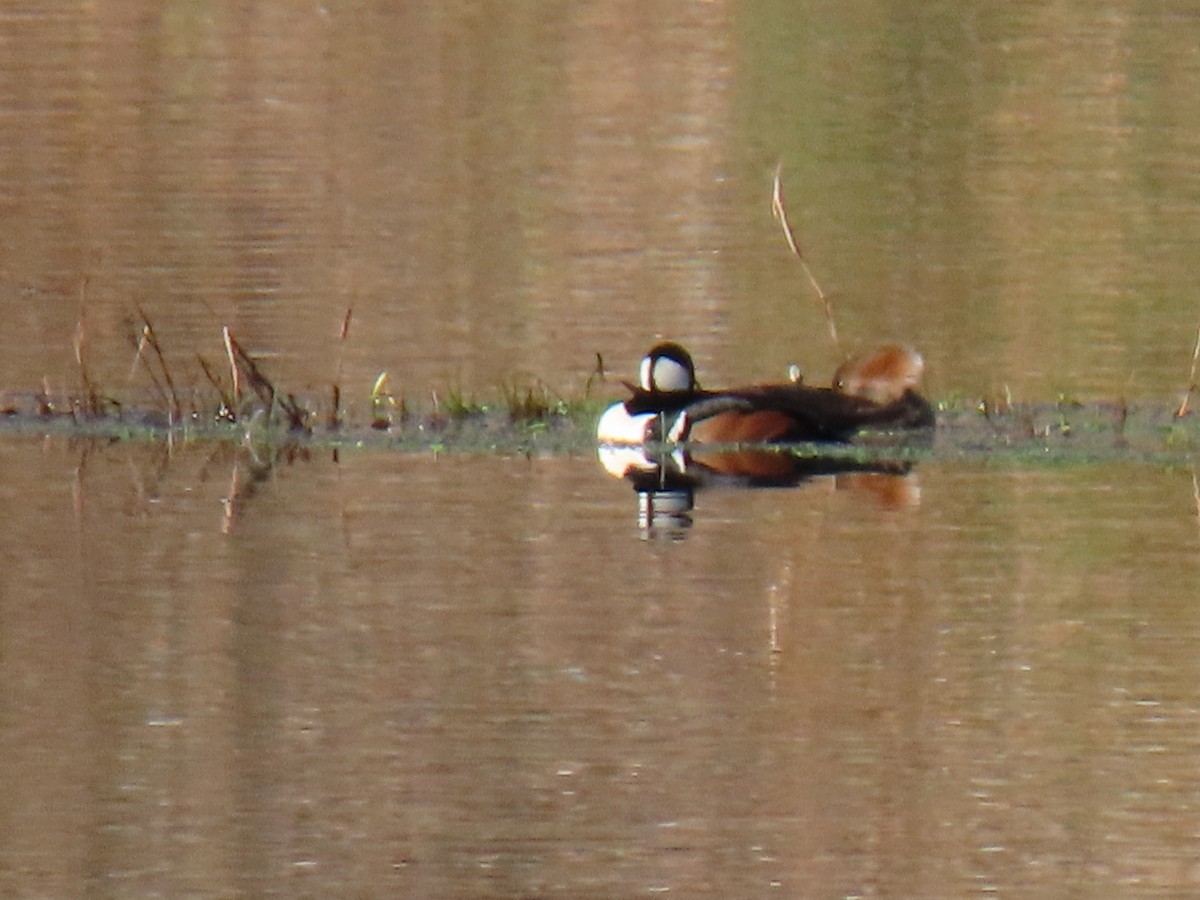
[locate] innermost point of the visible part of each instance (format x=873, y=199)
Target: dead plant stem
x=779, y=210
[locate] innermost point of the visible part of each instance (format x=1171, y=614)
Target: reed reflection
x=245, y=468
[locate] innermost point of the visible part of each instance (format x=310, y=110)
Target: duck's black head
x=667, y=368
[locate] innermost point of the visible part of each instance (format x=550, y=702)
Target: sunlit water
x=238, y=671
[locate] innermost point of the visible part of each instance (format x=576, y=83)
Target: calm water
x=226, y=671
x=1011, y=187
x=477, y=677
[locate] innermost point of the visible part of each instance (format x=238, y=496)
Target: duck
x=883, y=375
x=875, y=391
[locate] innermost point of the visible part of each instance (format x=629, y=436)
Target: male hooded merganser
x=876, y=391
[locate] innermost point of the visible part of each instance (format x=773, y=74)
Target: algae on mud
x=1025, y=433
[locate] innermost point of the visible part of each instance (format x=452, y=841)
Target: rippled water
x=243, y=670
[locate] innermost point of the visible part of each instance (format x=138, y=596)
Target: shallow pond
x=479, y=676
x=435, y=668
x=502, y=193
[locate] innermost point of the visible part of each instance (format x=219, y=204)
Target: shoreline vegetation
x=523, y=414
x=238, y=402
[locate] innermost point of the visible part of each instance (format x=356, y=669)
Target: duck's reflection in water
x=665, y=513
x=666, y=480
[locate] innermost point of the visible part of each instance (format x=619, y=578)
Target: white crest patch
x=670, y=375
x=645, y=376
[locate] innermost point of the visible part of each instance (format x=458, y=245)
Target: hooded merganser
x=875, y=391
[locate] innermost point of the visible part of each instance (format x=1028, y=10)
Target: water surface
x=477, y=677
x=230, y=669
x=493, y=191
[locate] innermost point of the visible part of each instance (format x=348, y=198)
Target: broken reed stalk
x=139, y=357
x=170, y=395
x=226, y=410
x=242, y=362
x=779, y=210
x=44, y=404
x=597, y=375
x=335, y=411
x=91, y=396
x=1187, y=397
x=233, y=366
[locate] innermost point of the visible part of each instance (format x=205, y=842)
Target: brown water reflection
x=468, y=677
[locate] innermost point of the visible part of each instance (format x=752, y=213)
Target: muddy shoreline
x=1032, y=432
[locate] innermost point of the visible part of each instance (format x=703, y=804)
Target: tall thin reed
x=91, y=396
x=335, y=410
x=165, y=388
x=779, y=210
x=1187, y=397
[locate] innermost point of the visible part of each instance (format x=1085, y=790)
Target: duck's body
x=669, y=405
x=776, y=413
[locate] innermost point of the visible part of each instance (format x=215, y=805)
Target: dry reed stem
x=140, y=343
x=335, y=411
x=169, y=394
x=244, y=364
x=139, y=347
x=226, y=411
x=80, y=343
x=1187, y=397
x=779, y=211
x=44, y=403
x=233, y=367
x=1196, y=493
x=597, y=375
